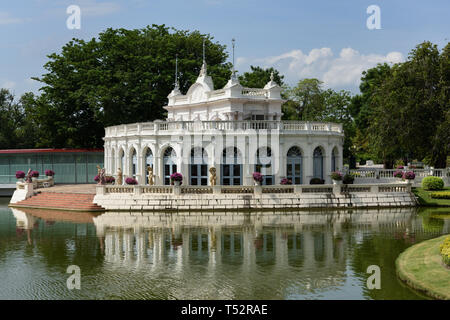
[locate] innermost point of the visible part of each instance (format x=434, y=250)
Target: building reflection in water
x=263, y=250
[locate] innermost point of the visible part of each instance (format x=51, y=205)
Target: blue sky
x=328, y=40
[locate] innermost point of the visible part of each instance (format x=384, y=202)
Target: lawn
x=426, y=200
x=421, y=267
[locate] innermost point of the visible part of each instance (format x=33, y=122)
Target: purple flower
x=20, y=174
x=97, y=178
x=400, y=167
x=176, y=176
x=409, y=175
x=131, y=181
x=398, y=174
x=257, y=176
x=285, y=181
x=110, y=180
x=336, y=175
x=35, y=174
x=49, y=173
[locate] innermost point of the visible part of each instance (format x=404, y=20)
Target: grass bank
x=421, y=268
x=425, y=199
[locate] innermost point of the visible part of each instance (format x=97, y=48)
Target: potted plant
x=49, y=173
x=336, y=176
x=348, y=179
x=409, y=176
x=398, y=175
x=176, y=178
x=110, y=180
x=258, y=178
x=285, y=181
x=20, y=175
x=131, y=181
x=34, y=175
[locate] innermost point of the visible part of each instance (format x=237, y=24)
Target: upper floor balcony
x=246, y=126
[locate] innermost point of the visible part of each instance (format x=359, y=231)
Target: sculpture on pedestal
x=150, y=176
x=212, y=176
x=119, y=180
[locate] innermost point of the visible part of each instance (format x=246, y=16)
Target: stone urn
x=337, y=181
x=257, y=183
x=177, y=183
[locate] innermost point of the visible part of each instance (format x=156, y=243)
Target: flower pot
x=399, y=180
x=34, y=179
x=177, y=183
x=337, y=181
x=257, y=183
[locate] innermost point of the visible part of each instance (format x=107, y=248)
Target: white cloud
x=6, y=18
x=342, y=71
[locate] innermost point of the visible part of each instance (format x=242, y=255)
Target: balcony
x=169, y=127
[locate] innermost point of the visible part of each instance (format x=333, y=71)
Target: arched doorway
x=318, y=163
x=294, y=162
x=133, y=163
x=169, y=164
x=264, y=164
x=148, y=156
x=231, y=167
x=198, y=169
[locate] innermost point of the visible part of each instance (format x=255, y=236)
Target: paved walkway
x=70, y=188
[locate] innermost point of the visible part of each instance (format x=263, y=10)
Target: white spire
x=203, y=71
x=233, y=74
x=177, y=84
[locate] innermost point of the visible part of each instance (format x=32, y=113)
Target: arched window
x=334, y=157
x=148, y=162
x=133, y=163
x=294, y=170
x=198, y=167
x=264, y=164
x=231, y=168
x=170, y=164
x=318, y=163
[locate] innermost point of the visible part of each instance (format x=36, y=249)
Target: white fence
x=387, y=175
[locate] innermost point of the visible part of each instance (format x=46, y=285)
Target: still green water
x=307, y=255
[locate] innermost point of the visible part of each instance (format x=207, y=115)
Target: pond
x=202, y=255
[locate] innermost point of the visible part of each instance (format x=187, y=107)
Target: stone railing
x=387, y=175
x=257, y=190
x=136, y=129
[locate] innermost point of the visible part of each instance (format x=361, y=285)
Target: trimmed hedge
x=316, y=181
x=445, y=251
x=440, y=195
x=432, y=183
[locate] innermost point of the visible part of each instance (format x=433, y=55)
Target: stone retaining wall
x=259, y=199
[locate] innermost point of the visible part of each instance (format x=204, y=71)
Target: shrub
x=432, y=183
x=316, y=181
x=336, y=175
x=444, y=249
x=131, y=181
x=348, y=179
x=440, y=195
x=409, y=175
x=400, y=167
x=285, y=181
x=20, y=174
x=176, y=177
x=35, y=174
x=257, y=176
x=398, y=174
x=49, y=173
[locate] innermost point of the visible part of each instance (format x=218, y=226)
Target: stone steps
x=62, y=201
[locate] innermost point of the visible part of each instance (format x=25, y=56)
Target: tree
x=123, y=76
x=259, y=77
x=308, y=100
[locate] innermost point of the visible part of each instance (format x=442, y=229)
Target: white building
x=237, y=130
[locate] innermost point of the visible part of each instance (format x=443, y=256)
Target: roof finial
x=203, y=70
x=233, y=74
x=271, y=76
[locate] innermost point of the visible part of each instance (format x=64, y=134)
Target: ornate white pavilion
x=236, y=130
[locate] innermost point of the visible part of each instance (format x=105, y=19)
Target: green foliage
x=405, y=107
x=440, y=195
x=348, y=178
x=432, y=183
x=336, y=176
x=444, y=249
x=259, y=77
x=123, y=76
